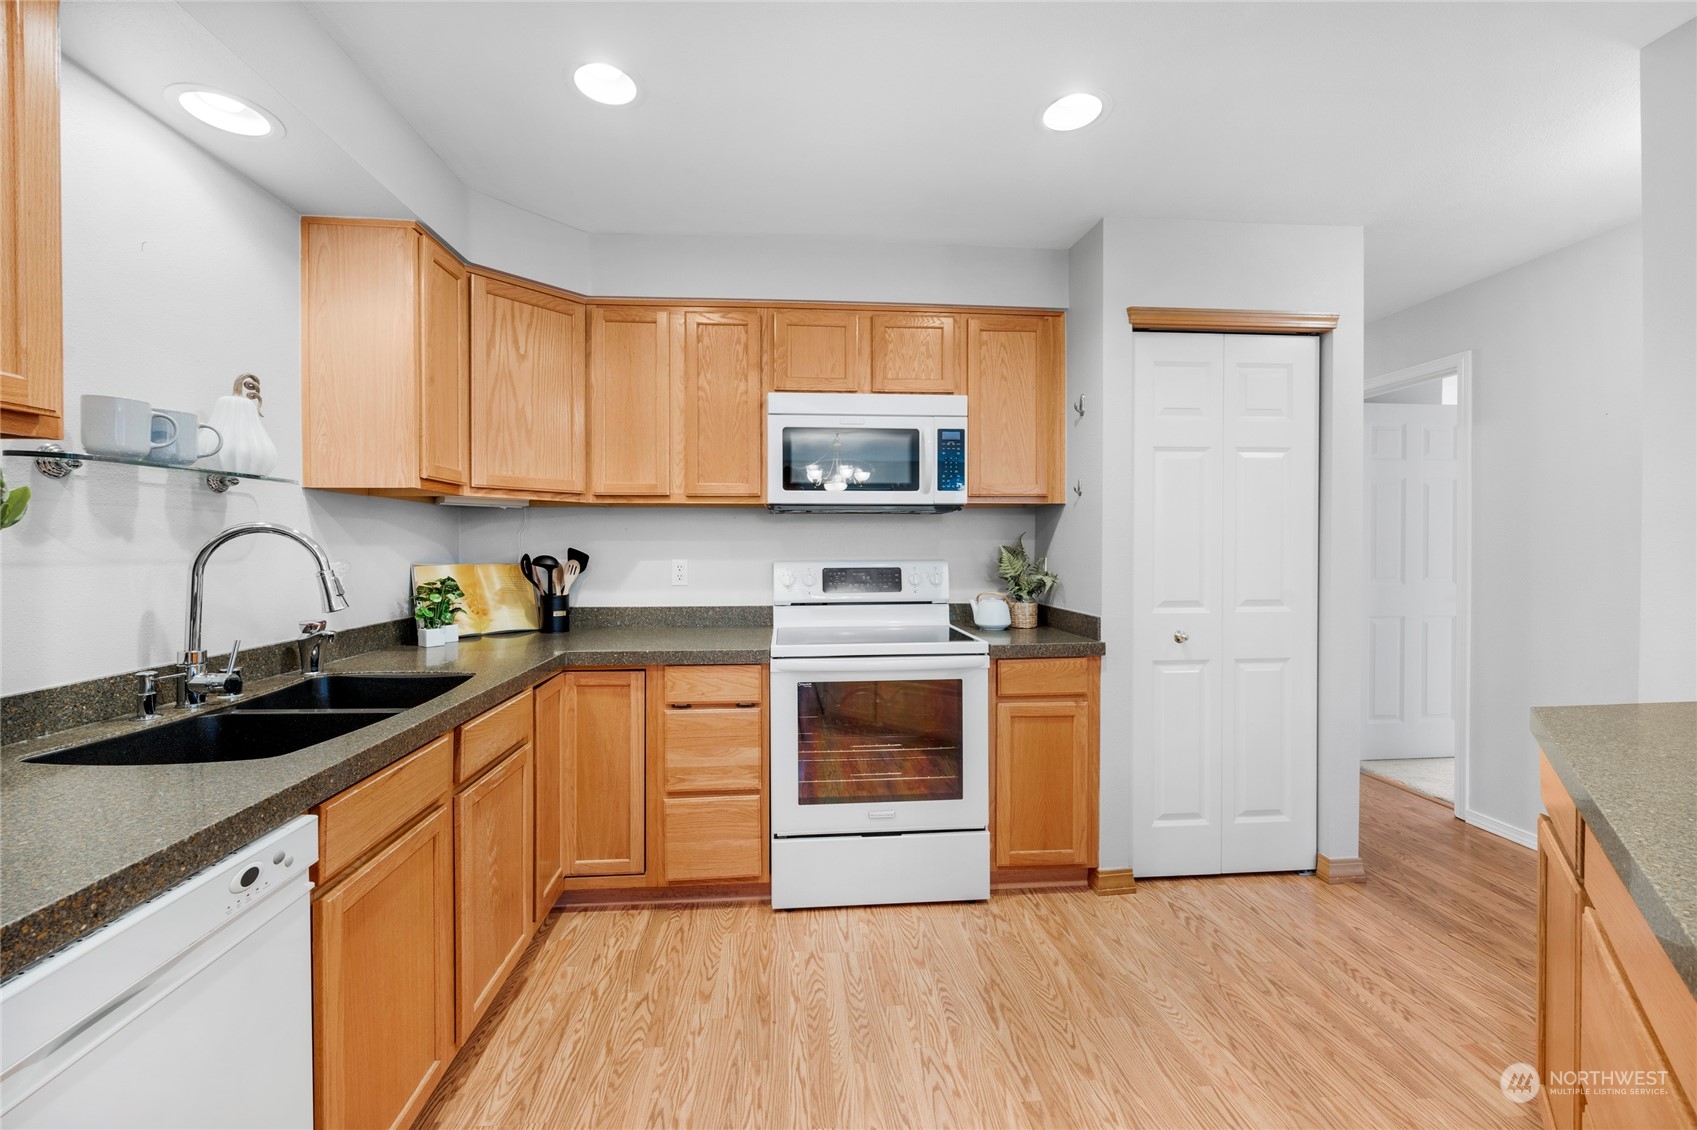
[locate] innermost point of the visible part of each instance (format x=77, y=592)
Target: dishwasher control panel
x=252, y=879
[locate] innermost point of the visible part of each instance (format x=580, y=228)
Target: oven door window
x=876, y=742
x=852, y=460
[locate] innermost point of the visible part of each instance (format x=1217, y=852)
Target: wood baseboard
x=648, y=896
x=1018, y=878
x=1117, y=881
x=1350, y=870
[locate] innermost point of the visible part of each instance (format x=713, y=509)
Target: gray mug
x=185, y=446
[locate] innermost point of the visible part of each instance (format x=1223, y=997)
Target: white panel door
x=1175, y=579
x=1269, y=661
x=1411, y=567
x=1225, y=585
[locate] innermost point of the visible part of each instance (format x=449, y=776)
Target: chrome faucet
x=315, y=634
x=197, y=681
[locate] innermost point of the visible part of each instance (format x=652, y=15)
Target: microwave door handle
x=927, y=459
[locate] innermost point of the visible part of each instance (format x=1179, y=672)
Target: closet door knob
x=1181, y=636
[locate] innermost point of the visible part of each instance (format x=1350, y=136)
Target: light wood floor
x=1244, y=1001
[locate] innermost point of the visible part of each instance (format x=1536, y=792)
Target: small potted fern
x=434, y=604
x=1027, y=578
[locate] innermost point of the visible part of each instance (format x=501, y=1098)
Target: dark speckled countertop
x=1632, y=772
x=80, y=845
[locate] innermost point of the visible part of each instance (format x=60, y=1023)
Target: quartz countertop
x=1632, y=772
x=80, y=845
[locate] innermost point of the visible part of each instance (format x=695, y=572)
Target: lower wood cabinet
x=604, y=728
x=1045, y=757
x=548, y=794
x=1560, y=899
x=1617, y=1025
x=492, y=869
x=383, y=981
x=711, y=773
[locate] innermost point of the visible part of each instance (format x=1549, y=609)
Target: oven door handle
x=886, y=666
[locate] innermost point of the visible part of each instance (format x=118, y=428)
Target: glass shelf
x=56, y=463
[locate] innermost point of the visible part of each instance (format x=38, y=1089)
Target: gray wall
x=1557, y=372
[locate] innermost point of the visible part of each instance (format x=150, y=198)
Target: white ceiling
x=1465, y=138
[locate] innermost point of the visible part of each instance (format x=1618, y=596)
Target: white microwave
x=865, y=452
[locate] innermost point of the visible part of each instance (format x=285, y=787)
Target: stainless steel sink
x=267, y=725
x=355, y=692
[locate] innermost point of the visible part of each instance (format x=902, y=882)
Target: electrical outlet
x=680, y=571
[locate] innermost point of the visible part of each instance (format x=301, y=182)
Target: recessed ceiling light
x=1074, y=111
x=224, y=111
x=605, y=83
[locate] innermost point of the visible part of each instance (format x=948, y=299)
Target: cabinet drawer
x=1042, y=677
x=356, y=820
x=714, y=838
x=713, y=751
x=726, y=685
x=487, y=737
x=1564, y=816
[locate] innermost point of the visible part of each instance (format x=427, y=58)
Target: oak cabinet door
x=715, y=838
x=383, y=982
x=527, y=384
x=1560, y=898
x=1043, y=787
x=1615, y=1043
x=444, y=351
x=724, y=404
x=630, y=390
x=819, y=351
x=32, y=380
x=549, y=792
x=604, y=730
x=914, y=352
x=1017, y=395
x=492, y=882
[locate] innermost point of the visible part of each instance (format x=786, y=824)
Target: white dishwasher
x=192, y=1010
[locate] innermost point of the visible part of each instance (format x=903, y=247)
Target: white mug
x=187, y=446
x=117, y=425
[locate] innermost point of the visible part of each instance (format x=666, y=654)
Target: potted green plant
x=1027, y=578
x=13, y=503
x=434, y=604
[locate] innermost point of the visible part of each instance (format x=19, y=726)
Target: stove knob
x=808, y=580
x=913, y=576
x=786, y=578
x=936, y=577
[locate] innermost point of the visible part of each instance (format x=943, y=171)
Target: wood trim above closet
x=1182, y=319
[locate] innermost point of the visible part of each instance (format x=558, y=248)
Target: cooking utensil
x=545, y=565
x=524, y=567
x=568, y=576
x=580, y=557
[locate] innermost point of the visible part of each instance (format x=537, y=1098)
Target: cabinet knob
x=1181, y=636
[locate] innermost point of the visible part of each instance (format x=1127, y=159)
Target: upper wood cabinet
x=527, y=388
x=32, y=377
x=630, y=401
x=1045, y=762
x=444, y=335
x=604, y=728
x=1016, y=390
x=724, y=404
x=914, y=352
x=385, y=366
x=819, y=351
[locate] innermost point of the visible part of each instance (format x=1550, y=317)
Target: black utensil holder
x=554, y=614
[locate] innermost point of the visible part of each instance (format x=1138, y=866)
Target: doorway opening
x=1417, y=431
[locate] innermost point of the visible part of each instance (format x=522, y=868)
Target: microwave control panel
x=951, y=459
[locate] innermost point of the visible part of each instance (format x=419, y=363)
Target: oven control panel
x=860, y=582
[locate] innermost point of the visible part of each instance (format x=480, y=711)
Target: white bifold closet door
x=1225, y=580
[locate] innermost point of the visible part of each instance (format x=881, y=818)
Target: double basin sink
x=269, y=725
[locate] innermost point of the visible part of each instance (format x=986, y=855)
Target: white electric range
x=880, y=738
